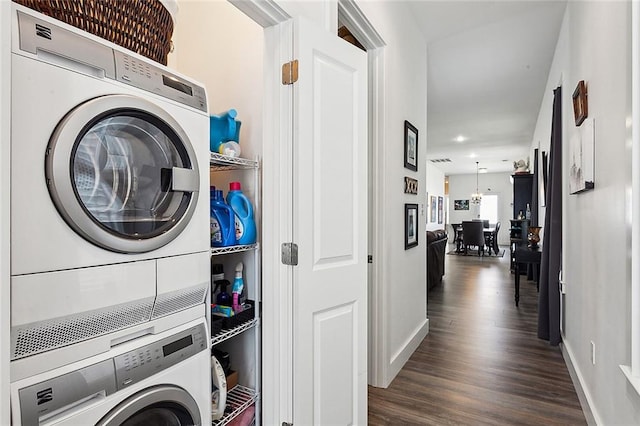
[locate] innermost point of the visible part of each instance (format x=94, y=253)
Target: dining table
x=488, y=233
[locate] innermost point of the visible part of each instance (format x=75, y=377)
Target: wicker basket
x=143, y=26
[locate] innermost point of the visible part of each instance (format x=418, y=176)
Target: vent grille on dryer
x=179, y=300
x=30, y=339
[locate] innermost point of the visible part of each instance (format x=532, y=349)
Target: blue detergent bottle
x=221, y=220
x=245, y=224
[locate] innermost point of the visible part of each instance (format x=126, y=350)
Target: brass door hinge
x=290, y=72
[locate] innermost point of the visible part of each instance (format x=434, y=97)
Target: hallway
x=481, y=362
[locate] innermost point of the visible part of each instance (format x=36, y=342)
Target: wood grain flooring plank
x=482, y=362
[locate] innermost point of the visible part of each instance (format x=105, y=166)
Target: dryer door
x=160, y=405
x=122, y=173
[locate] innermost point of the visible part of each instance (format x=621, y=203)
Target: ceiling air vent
x=441, y=160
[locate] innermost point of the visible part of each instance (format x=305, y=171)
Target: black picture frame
x=410, y=226
x=410, y=146
x=440, y=209
x=461, y=204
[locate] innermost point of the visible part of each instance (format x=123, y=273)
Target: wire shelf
x=238, y=399
x=228, y=334
x=233, y=249
x=219, y=162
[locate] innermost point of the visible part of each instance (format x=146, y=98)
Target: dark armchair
x=473, y=235
x=436, y=248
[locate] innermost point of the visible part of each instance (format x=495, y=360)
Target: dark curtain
x=549, y=296
x=534, y=190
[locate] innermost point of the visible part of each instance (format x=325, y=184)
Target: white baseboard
x=400, y=358
x=586, y=401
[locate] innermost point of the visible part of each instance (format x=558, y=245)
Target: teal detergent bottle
x=221, y=220
x=245, y=224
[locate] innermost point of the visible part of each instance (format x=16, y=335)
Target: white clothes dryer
x=154, y=380
x=109, y=190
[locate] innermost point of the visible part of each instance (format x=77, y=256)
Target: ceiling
x=488, y=63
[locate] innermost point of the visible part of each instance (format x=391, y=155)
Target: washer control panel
x=136, y=365
x=146, y=76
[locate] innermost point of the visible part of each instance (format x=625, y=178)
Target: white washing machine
x=153, y=380
x=109, y=195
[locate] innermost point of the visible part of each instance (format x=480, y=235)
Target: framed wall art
x=433, y=209
x=580, y=104
x=410, y=146
x=581, y=158
x=461, y=204
x=410, y=226
x=440, y=209
x=410, y=185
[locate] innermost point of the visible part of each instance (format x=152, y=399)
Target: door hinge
x=370, y=259
x=290, y=72
x=289, y=254
x=287, y=424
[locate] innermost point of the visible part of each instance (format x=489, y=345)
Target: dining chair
x=494, y=238
x=473, y=235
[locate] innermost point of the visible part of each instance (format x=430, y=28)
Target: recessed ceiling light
x=482, y=170
x=472, y=155
x=460, y=138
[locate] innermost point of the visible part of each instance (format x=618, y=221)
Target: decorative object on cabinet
x=461, y=204
x=521, y=166
x=533, y=236
x=410, y=185
x=580, y=104
x=225, y=330
x=410, y=225
x=144, y=27
x=410, y=146
x=581, y=158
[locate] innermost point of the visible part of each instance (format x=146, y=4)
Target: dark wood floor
x=482, y=362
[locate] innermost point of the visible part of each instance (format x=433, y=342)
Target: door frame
x=277, y=364
x=358, y=24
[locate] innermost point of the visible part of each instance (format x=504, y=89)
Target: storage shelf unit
x=228, y=334
x=233, y=249
x=220, y=162
x=241, y=397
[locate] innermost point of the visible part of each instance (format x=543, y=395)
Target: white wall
x=221, y=47
x=594, y=46
x=404, y=271
x=462, y=186
x=434, y=187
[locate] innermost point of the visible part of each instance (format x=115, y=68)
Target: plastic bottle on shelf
x=245, y=223
x=221, y=220
x=223, y=298
x=238, y=287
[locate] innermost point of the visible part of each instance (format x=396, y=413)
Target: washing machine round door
x=160, y=405
x=122, y=173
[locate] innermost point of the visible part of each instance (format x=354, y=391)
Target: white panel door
x=330, y=228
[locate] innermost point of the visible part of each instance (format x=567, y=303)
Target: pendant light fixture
x=477, y=197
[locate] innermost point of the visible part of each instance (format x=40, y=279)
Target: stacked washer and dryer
x=109, y=241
